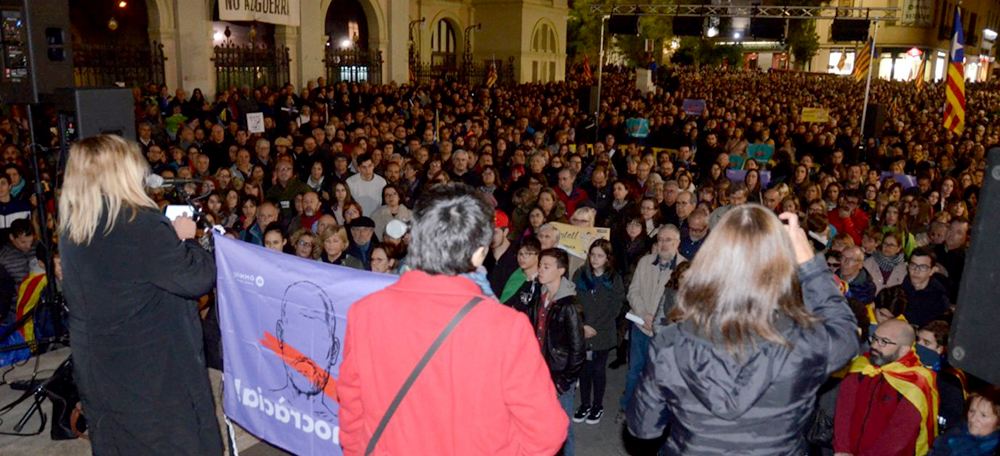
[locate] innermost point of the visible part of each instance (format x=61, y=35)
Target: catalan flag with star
x=954, y=105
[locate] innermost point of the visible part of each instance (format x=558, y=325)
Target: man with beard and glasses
x=888, y=403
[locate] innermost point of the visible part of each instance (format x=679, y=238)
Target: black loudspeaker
x=874, y=120
x=99, y=111
x=688, y=26
x=849, y=30
x=623, y=25
x=36, y=55
x=767, y=28
x=588, y=97
x=973, y=345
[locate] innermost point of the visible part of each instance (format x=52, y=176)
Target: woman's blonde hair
x=743, y=278
x=103, y=173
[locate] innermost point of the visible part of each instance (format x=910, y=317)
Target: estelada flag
x=586, y=68
x=954, y=105
x=913, y=381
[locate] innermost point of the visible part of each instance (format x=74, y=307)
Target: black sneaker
x=581, y=414
x=595, y=415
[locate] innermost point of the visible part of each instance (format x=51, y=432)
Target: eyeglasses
x=876, y=340
x=525, y=254
x=920, y=267
x=833, y=265
x=304, y=243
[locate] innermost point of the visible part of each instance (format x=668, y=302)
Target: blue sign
x=693, y=107
x=283, y=320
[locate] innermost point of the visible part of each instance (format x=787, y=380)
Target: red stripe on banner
x=301, y=363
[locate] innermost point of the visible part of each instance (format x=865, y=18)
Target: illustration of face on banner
x=283, y=321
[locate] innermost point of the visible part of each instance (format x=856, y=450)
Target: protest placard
x=576, y=240
x=820, y=115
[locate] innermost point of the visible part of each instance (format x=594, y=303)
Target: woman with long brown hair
x=757, y=327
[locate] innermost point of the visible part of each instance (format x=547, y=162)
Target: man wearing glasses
x=860, y=284
x=887, y=404
x=928, y=298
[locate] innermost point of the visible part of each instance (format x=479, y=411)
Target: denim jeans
x=566, y=400
x=638, y=352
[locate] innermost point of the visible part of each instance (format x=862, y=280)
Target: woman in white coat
x=887, y=265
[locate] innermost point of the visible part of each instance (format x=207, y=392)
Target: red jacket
x=873, y=419
x=574, y=199
x=487, y=391
x=855, y=225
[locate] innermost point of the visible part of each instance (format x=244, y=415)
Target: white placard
x=255, y=122
x=284, y=12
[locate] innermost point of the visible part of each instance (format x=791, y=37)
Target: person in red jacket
x=874, y=417
x=487, y=390
x=847, y=217
x=567, y=191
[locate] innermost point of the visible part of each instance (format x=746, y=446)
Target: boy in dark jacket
x=555, y=315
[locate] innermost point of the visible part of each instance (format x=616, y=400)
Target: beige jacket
x=647, y=285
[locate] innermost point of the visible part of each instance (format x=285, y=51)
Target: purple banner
x=283, y=320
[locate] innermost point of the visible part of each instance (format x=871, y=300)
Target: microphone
x=157, y=181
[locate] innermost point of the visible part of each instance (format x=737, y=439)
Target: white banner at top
x=284, y=12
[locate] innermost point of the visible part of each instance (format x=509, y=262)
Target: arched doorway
x=545, y=52
x=444, y=45
x=245, y=54
x=352, y=52
x=111, y=44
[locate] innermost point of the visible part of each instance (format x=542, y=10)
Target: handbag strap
x=417, y=370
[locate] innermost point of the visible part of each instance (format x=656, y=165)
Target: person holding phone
x=757, y=327
x=131, y=281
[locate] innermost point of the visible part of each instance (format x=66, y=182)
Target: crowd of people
x=337, y=170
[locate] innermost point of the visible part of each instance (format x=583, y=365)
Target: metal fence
x=353, y=65
x=106, y=65
x=468, y=72
x=249, y=65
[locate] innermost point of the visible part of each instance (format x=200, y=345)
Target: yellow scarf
x=914, y=382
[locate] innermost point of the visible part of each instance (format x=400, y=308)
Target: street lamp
x=468, y=40
x=414, y=45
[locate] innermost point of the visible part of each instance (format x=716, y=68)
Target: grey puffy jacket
x=758, y=406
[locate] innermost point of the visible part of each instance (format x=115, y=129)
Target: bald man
x=874, y=417
x=860, y=285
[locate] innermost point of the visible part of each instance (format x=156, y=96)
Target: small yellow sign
x=821, y=115
x=576, y=240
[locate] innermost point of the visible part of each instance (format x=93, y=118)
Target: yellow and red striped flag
x=28, y=295
x=492, y=77
x=954, y=105
x=920, y=73
x=586, y=68
x=863, y=61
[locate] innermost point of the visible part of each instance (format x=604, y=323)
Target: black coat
x=601, y=303
x=563, y=347
x=136, y=338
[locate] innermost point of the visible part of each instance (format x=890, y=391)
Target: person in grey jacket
x=758, y=326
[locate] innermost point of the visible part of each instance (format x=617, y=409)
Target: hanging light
x=122, y=4
x=113, y=24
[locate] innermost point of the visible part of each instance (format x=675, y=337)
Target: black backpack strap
x=417, y=370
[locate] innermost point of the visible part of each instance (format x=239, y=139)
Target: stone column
x=312, y=41
x=194, y=48
x=285, y=36
x=395, y=53
x=168, y=38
